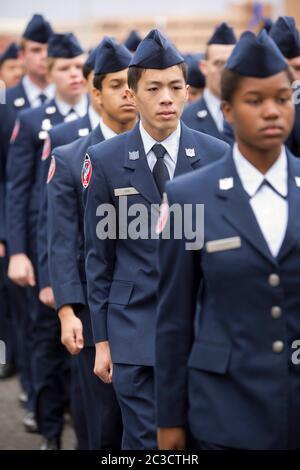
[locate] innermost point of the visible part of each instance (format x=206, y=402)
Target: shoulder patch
x=51, y=169
x=15, y=131
x=163, y=215
x=86, y=171
x=46, y=148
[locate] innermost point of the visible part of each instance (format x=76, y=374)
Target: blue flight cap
x=223, y=34
x=111, y=57
x=156, y=52
x=64, y=46
x=195, y=77
x=91, y=59
x=284, y=32
x=132, y=41
x=267, y=24
x=256, y=56
x=11, y=52
x=38, y=30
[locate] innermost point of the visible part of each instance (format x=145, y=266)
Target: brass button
x=277, y=346
x=276, y=312
x=274, y=280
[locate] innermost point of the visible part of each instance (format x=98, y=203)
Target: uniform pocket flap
x=211, y=357
x=120, y=292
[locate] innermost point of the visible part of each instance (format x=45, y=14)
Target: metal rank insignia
x=226, y=183
x=50, y=110
x=83, y=132
x=43, y=135
x=46, y=125
x=19, y=102
x=202, y=114
x=135, y=155
x=190, y=152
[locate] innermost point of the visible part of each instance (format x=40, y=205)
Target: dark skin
x=262, y=113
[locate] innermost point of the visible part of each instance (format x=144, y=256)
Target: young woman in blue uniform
x=232, y=369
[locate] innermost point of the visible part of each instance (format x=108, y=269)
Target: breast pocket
x=210, y=357
x=120, y=292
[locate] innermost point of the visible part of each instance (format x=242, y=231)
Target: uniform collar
x=252, y=179
x=93, y=117
x=212, y=101
x=171, y=143
x=80, y=108
x=33, y=91
x=107, y=132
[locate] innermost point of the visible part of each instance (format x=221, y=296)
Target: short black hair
x=135, y=73
x=98, y=79
x=230, y=82
x=86, y=70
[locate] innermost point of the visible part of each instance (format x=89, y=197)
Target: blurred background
x=188, y=23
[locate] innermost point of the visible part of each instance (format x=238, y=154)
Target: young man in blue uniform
x=195, y=78
x=132, y=41
x=11, y=67
x=33, y=89
x=286, y=35
x=231, y=371
x=121, y=272
x=66, y=241
x=205, y=114
x=60, y=135
x=65, y=61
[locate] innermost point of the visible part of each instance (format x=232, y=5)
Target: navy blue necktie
x=42, y=97
x=160, y=171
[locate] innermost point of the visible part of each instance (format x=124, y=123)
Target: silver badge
x=134, y=155
x=226, y=183
x=19, y=102
x=43, y=135
x=46, y=125
x=297, y=180
x=190, y=152
x=50, y=110
x=83, y=132
x=202, y=114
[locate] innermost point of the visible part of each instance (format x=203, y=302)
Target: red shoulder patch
x=46, y=149
x=15, y=131
x=87, y=170
x=163, y=215
x=51, y=169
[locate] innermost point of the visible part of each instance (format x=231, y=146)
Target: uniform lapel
x=135, y=160
x=57, y=117
x=96, y=136
x=20, y=93
x=206, y=120
x=85, y=122
x=23, y=94
x=292, y=234
x=188, y=154
x=237, y=210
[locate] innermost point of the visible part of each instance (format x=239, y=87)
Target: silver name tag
x=223, y=244
x=125, y=191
